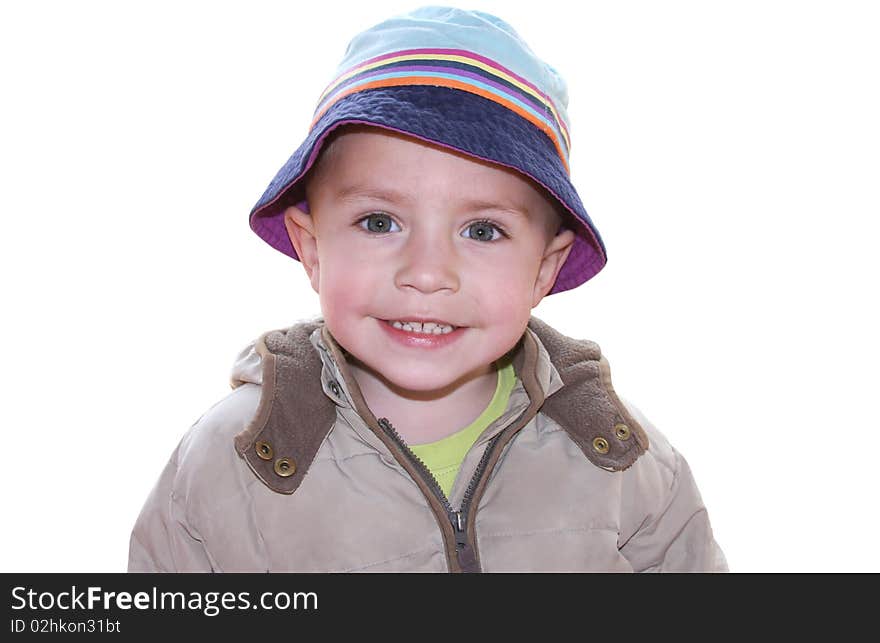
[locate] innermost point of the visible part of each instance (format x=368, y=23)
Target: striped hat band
x=457, y=69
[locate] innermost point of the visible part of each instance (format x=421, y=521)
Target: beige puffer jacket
x=292, y=472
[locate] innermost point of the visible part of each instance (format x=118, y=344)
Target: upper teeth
x=429, y=328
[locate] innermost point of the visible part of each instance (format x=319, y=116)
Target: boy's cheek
x=348, y=290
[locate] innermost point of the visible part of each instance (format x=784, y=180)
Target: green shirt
x=444, y=457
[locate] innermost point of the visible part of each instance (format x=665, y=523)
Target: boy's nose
x=428, y=264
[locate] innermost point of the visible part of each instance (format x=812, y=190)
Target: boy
x=426, y=422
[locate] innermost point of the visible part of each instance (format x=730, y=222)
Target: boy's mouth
x=424, y=327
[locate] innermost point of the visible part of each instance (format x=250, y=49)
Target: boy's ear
x=301, y=230
x=554, y=257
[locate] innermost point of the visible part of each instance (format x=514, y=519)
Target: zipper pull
x=458, y=526
x=464, y=551
x=466, y=558
x=457, y=522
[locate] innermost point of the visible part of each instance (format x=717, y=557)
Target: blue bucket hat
x=460, y=79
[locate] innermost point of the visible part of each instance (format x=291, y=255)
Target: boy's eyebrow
x=393, y=196
x=378, y=194
x=479, y=205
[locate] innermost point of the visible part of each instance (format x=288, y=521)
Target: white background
x=727, y=151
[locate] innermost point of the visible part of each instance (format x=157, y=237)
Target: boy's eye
x=377, y=222
x=484, y=231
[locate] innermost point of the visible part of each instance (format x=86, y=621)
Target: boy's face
x=400, y=229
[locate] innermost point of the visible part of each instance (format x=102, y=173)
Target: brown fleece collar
x=295, y=415
x=587, y=406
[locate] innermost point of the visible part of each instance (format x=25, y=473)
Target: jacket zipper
x=467, y=558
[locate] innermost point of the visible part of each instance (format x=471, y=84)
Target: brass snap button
x=334, y=387
x=622, y=431
x=284, y=467
x=600, y=444
x=264, y=450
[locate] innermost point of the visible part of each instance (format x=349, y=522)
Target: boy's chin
x=419, y=379
x=427, y=385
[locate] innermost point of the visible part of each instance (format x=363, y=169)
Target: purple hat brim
x=451, y=118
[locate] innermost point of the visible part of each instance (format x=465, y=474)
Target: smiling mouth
x=423, y=328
